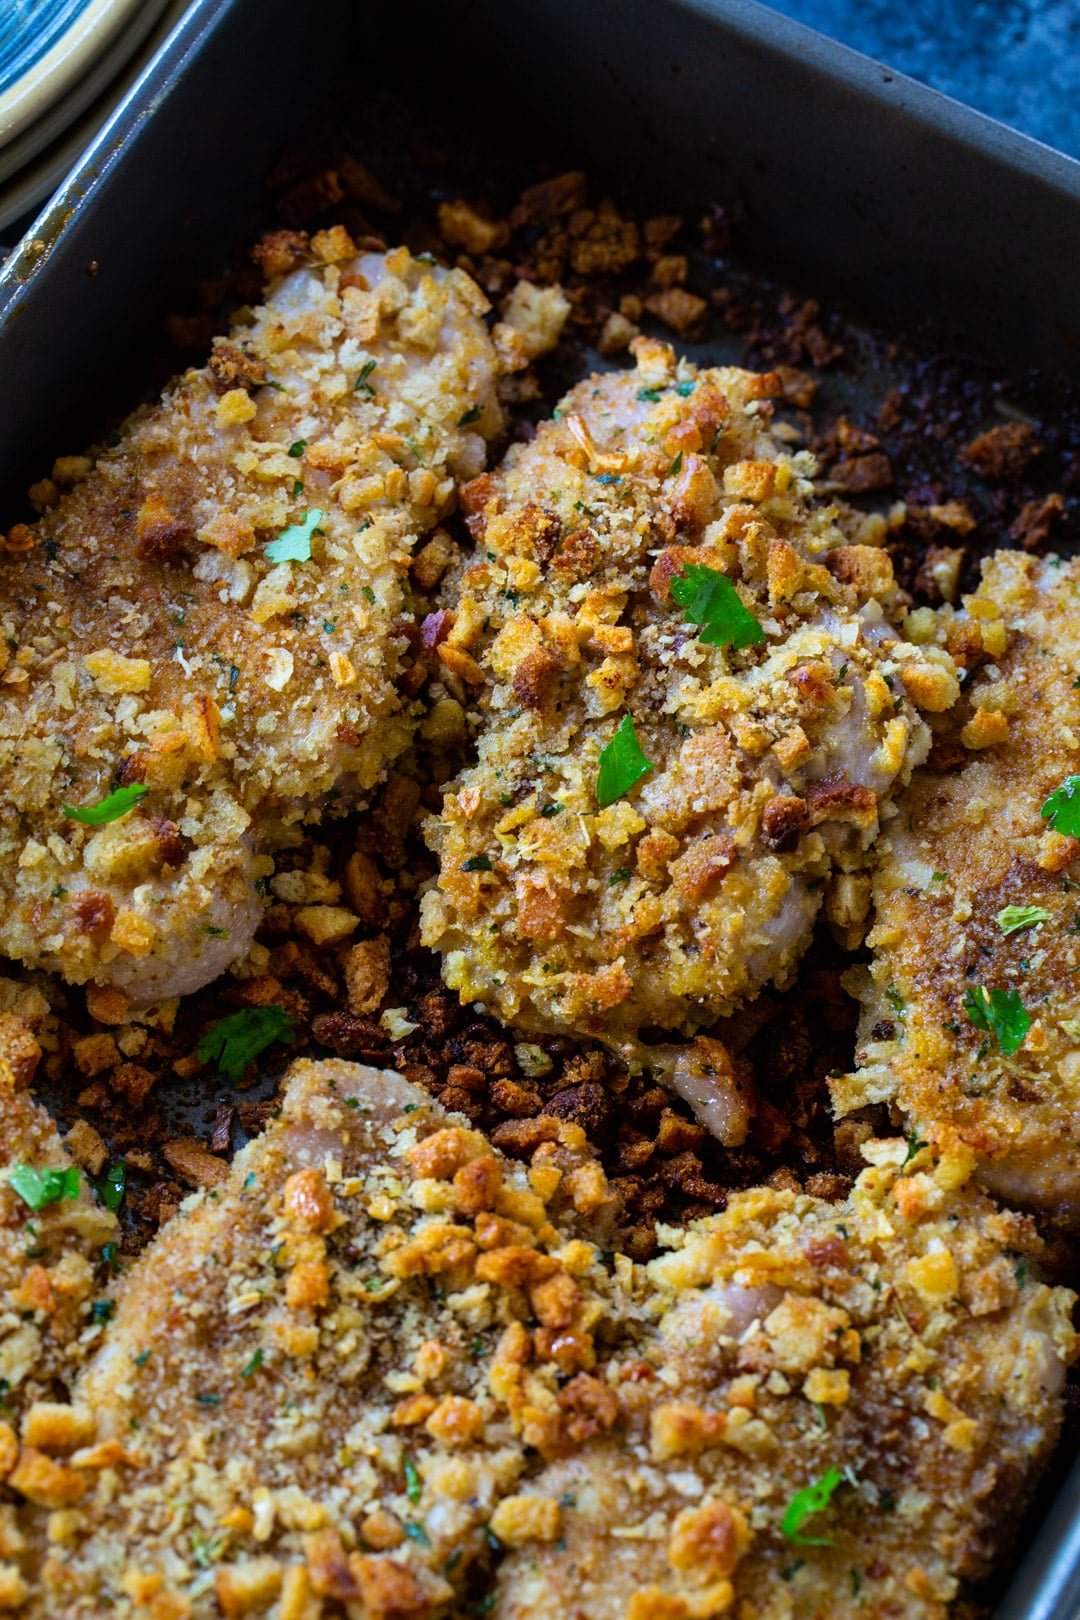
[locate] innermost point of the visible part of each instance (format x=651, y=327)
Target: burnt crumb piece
x=589, y=1105
x=1003, y=453
x=233, y=368
x=1037, y=520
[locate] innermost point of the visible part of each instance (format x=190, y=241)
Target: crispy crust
x=151, y=640
x=767, y=765
x=378, y=1337
x=965, y=845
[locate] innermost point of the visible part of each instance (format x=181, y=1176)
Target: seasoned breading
x=312, y=1371
x=768, y=766
x=48, y=1257
x=162, y=628
x=379, y=1355
x=966, y=845
x=893, y=1347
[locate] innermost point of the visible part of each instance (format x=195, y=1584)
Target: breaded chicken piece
x=310, y=1371
x=976, y=899
x=893, y=1352
x=164, y=630
x=52, y=1232
x=767, y=766
x=377, y=1357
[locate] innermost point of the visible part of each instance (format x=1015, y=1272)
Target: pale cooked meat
x=303, y=1370
x=769, y=766
x=894, y=1346
x=377, y=1358
x=967, y=844
x=154, y=635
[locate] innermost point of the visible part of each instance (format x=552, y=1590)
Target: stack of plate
x=64, y=64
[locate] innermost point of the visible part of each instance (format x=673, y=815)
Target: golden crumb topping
x=380, y=1358
x=208, y=616
x=969, y=1009
x=693, y=709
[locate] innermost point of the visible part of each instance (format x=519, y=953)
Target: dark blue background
x=1018, y=60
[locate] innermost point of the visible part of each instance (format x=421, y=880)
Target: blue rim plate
x=46, y=46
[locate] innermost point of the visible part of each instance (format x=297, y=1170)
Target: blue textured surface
x=28, y=28
x=1018, y=60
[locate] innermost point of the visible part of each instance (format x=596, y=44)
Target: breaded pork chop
x=841, y=1410
x=210, y=617
x=653, y=520
x=52, y=1234
x=970, y=1010
x=313, y=1370
x=377, y=1358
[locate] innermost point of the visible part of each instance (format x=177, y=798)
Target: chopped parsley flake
x=253, y=1365
x=804, y=1504
x=294, y=543
x=40, y=1187
x=103, y=1310
x=622, y=763
x=477, y=863
x=650, y=394
x=117, y=804
x=298, y=448
x=684, y=389
x=413, y=1484
x=608, y=478
x=470, y=416
x=1062, y=808
x=232, y=1042
x=1001, y=1012
x=207, y=1399
x=417, y=1533
x=110, y=1186
x=552, y=809
x=362, y=386
x=675, y=465
x=621, y=874
x=711, y=600
x=1012, y=918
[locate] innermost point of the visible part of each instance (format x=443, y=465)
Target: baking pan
x=849, y=180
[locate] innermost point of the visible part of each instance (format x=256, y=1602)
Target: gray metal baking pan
x=852, y=181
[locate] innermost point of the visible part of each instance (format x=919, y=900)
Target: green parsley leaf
x=103, y=1310
x=417, y=1533
x=477, y=863
x=297, y=488
x=117, y=804
x=553, y=809
x=711, y=600
x=40, y=1187
x=208, y=1398
x=1062, y=808
x=470, y=416
x=814, y=1499
x=622, y=763
x=110, y=1186
x=294, y=543
x=685, y=389
x=650, y=394
x=232, y=1042
x=362, y=386
x=414, y=1488
x=1001, y=1012
x=675, y=465
x=296, y=450
x=253, y=1365
x=1012, y=918
x=621, y=874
